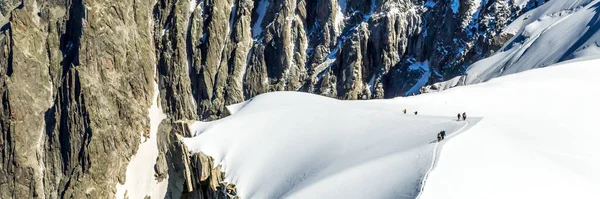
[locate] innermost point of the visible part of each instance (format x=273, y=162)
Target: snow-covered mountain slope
x=557, y=31
x=536, y=140
x=298, y=145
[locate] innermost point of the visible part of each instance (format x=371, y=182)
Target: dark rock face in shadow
x=189, y=176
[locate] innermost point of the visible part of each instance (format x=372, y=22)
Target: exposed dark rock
x=75, y=98
x=190, y=176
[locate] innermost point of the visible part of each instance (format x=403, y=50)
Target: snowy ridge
x=536, y=44
x=326, y=151
x=297, y=145
x=234, y=108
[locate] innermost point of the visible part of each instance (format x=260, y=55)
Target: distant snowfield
x=558, y=31
x=537, y=140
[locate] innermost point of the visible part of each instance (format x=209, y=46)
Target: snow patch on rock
x=140, y=181
x=455, y=6
x=261, y=10
x=423, y=67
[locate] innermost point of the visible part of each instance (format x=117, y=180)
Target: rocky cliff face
x=76, y=81
x=189, y=176
x=76, y=76
x=214, y=53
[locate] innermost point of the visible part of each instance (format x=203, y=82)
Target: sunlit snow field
x=299, y=145
x=536, y=139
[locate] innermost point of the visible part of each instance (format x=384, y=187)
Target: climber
x=458, y=116
x=415, y=112
x=464, y=115
x=404, y=111
x=441, y=135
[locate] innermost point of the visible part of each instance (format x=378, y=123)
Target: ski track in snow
x=437, y=149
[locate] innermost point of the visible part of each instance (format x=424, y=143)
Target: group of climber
x=458, y=116
x=405, y=112
x=464, y=116
x=442, y=134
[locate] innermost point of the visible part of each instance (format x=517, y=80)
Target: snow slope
x=298, y=145
x=555, y=32
x=536, y=140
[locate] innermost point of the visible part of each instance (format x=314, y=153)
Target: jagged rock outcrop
x=189, y=176
x=76, y=76
x=215, y=53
